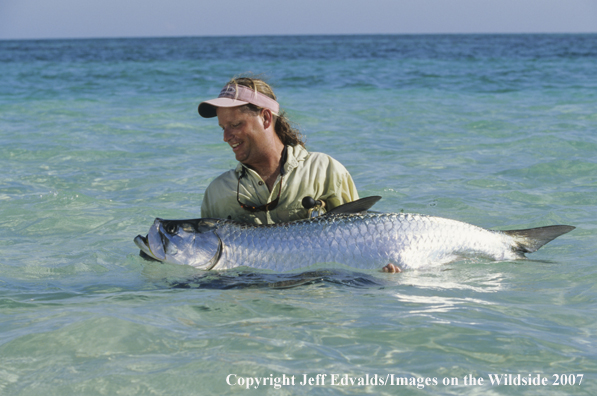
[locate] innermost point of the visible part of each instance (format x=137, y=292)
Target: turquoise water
x=99, y=137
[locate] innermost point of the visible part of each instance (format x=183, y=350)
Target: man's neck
x=270, y=167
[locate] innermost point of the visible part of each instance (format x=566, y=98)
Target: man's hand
x=391, y=268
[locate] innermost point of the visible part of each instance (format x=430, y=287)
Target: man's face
x=244, y=132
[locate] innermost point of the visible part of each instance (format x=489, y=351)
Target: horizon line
x=296, y=35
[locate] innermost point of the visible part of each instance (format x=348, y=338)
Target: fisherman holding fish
x=274, y=174
x=275, y=171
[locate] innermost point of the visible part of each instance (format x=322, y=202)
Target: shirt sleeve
x=220, y=197
x=206, y=208
x=341, y=188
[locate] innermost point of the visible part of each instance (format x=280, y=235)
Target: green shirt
x=315, y=175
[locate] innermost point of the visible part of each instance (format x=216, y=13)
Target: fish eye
x=171, y=228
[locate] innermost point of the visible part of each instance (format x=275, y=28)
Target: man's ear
x=267, y=117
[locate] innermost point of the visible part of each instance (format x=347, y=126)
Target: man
x=275, y=171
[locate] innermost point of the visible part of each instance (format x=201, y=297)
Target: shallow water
x=99, y=137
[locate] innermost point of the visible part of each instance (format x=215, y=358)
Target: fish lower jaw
x=142, y=244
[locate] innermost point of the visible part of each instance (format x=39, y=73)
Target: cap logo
x=228, y=92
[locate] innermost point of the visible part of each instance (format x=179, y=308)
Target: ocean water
x=99, y=137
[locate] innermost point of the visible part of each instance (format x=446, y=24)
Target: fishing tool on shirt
x=313, y=206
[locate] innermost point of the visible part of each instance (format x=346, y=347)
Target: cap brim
x=208, y=108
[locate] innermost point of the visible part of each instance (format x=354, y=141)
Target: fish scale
x=356, y=240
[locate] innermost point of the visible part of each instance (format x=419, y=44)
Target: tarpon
x=348, y=235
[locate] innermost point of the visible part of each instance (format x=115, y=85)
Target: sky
x=47, y=19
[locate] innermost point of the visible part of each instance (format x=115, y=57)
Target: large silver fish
x=346, y=235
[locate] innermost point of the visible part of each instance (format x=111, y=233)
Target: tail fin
x=530, y=240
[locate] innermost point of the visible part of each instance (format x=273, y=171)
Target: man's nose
x=227, y=135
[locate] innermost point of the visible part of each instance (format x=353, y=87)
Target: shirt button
x=260, y=183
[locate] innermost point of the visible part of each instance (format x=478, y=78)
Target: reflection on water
x=450, y=288
x=249, y=279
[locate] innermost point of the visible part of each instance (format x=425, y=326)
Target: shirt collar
x=294, y=155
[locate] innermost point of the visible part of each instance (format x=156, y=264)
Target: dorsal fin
x=358, y=206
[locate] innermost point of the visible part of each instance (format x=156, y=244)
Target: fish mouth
x=153, y=245
x=143, y=244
